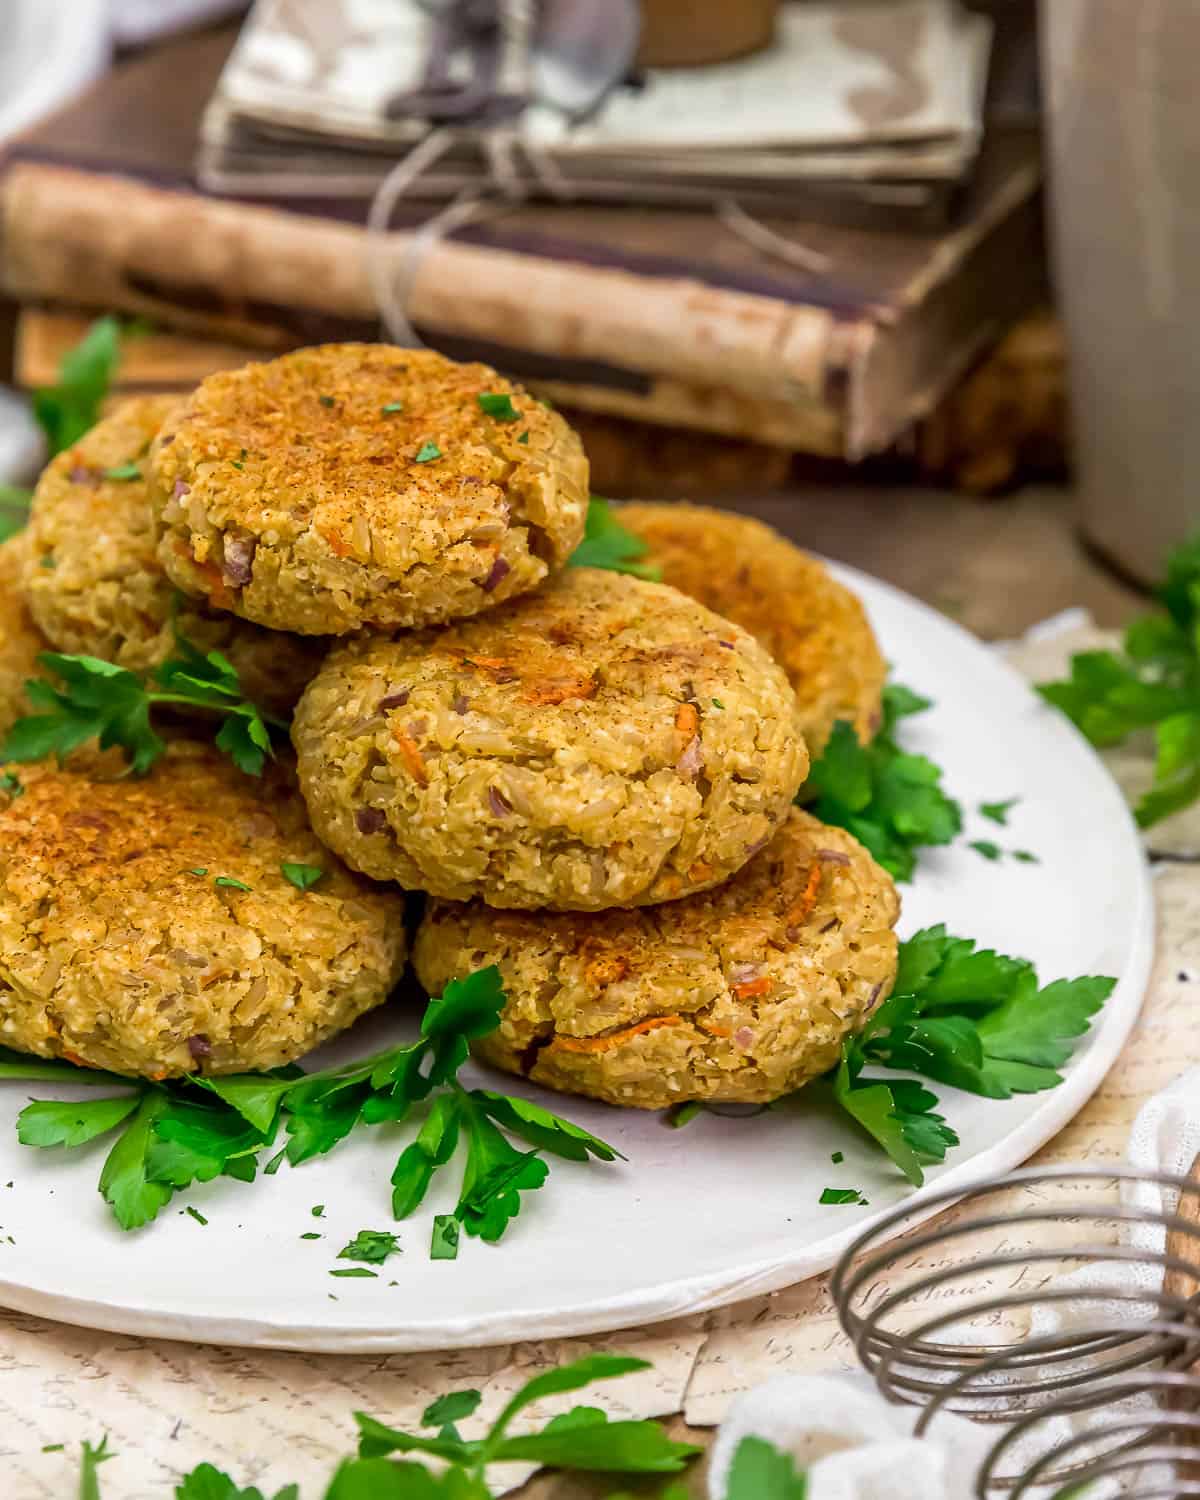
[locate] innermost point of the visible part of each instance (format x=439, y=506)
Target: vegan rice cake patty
x=739, y=994
x=813, y=626
x=603, y=742
x=358, y=485
x=95, y=583
x=119, y=949
x=20, y=639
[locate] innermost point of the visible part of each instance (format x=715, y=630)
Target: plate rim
x=708, y=1290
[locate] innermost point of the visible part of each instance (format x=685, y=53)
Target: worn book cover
x=664, y=315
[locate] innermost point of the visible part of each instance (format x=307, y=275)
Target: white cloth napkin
x=857, y=1446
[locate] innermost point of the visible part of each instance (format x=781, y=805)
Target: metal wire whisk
x=949, y=1316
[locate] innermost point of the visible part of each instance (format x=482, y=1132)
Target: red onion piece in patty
x=180, y=490
x=370, y=820
x=744, y=973
x=239, y=560
x=395, y=700
x=498, y=803
x=833, y=857
x=691, y=762
x=500, y=571
x=459, y=704
x=199, y=1046
x=81, y=474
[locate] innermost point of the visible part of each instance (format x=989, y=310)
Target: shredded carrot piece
x=614, y=1039
x=700, y=871
x=808, y=897
x=560, y=690
x=687, y=720
x=750, y=989
x=721, y=1031
x=218, y=589
x=337, y=546
x=412, y=756
x=74, y=1057
x=606, y=969
x=495, y=665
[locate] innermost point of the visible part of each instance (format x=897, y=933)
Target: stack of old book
x=219, y=186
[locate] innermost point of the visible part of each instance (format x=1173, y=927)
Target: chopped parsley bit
x=838, y=1158
x=426, y=453
x=392, y=406
x=303, y=877
x=354, y=1271
x=370, y=1245
x=325, y=400
x=524, y=438
x=716, y=703
x=199, y=870
x=499, y=406
x=998, y=811
x=1026, y=857
x=237, y=464
x=444, y=1245
x=195, y=1213
x=11, y=783
x=986, y=848
x=229, y=883
x=122, y=472
x=242, y=454
x=842, y=1195
x=318, y=1211
x=54, y=1448
x=311, y=1235
x=680, y=1115
x=48, y=562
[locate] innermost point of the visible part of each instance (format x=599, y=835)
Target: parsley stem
x=218, y=708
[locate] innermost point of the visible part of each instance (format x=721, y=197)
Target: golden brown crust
x=118, y=949
x=739, y=994
x=96, y=585
x=20, y=639
x=811, y=624
x=603, y=742
x=291, y=491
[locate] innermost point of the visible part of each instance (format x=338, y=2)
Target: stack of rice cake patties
x=592, y=775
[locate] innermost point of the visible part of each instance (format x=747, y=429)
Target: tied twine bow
x=479, y=75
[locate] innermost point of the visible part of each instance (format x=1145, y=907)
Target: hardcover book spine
x=623, y=342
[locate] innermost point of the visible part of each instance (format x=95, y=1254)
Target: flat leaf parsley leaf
x=964, y=1016
x=891, y=801
x=70, y=408
x=608, y=544
x=303, y=877
x=1151, y=683
x=100, y=701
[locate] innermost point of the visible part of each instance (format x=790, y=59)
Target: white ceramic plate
x=720, y=1210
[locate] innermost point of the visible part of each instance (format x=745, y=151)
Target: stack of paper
x=876, y=101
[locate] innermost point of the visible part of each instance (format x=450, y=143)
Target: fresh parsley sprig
x=964, y=1016
x=98, y=700
x=581, y=1440
x=71, y=407
x=891, y=801
x=171, y=1136
x=1152, y=683
x=608, y=544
